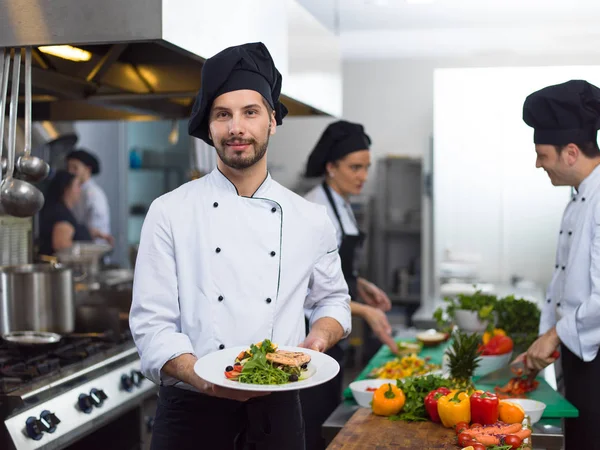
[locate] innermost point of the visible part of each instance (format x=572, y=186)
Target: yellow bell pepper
x=487, y=335
x=454, y=407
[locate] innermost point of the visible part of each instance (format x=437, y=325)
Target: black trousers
x=582, y=389
x=320, y=401
x=190, y=421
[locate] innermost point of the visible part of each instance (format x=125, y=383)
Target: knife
x=517, y=369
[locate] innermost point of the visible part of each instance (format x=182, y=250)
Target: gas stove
x=50, y=398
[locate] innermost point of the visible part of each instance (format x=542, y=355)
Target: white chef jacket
x=573, y=296
x=317, y=195
x=92, y=209
x=216, y=270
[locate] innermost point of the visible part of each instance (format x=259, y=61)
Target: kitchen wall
x=394, y=100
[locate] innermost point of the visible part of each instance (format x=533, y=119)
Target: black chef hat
x=339, y=139
x=564, y=113
x=247, y=66
x=86, y=158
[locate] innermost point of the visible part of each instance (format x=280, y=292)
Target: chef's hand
x=315, y=343
x=324, y=334
x=378, y=322
x=540, y=354
x=372, y=295
x=231, y=394
x=182, y=368
x=97, y=234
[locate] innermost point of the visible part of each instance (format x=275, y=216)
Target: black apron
x=319, y=402
x=583, y=391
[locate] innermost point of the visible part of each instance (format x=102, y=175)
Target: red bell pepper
x=498, y=345
x=431, y=401
x=484, y=407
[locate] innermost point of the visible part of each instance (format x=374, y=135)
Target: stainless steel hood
x=135, y=71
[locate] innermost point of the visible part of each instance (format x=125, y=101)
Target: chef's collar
x=338, y=199
x=590, y=184
x=224, y=183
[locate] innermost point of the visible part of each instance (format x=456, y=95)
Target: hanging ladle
x=4, y=72
x=18, y=197
x=31, y=168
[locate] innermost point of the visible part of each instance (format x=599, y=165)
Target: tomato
x=476, y=425
x=477, y=446
x=237, y=368
x=460, y=427
x=465, y=439
x=231, y=374
x=513, y=440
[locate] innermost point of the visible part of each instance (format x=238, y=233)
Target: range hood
x=144, y=64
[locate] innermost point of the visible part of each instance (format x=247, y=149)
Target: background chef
x=343, y=158
x=231, y=259
x=565, y=118
x=92, y=208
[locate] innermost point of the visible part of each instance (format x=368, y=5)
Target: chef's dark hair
x=589, y=148
x=60, y=182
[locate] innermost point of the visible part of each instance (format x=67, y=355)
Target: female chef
x=342, y=156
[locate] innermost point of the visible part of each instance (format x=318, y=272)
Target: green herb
x=520, y=319
x=415, y=390
x=484, y=304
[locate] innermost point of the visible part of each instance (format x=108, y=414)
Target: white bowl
x=469, y=321
x=532, y=408
x=489, y=363
x=431, y=338
x=360, y=393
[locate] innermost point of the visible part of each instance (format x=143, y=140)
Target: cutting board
x=365, y=431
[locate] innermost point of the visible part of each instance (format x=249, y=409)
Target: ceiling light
x=66, y=52
x=419, y=2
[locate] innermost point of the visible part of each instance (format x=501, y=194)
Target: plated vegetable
x=263, y=363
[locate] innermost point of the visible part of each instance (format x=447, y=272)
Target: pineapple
x=463, y=359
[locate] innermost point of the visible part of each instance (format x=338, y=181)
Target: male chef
x=231, y=259
x=565, y=119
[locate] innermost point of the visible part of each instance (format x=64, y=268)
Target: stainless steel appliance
x=36, y=297
x=84, y=393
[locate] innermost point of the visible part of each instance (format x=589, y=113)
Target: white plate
x=211, y=368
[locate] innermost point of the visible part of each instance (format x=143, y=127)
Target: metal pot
x=36, y=297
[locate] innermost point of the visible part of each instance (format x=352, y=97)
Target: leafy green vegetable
x=520, y=319
x=258, y=370
x=415, y=390
x=484, y=304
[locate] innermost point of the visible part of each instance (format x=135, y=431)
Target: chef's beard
x=240, y=163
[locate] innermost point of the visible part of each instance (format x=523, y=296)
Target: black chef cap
x=564, y=113
x=247, y=66
x=86, y=158
x=339, y=139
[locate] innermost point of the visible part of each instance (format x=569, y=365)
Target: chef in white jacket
x=92, y=209
x=231, y=259
x=566, y=118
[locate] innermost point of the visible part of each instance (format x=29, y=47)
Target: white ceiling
x=403, y=28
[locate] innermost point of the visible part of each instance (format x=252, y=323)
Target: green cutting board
x=557, y=407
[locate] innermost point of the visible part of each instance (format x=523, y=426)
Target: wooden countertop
x=365, y=431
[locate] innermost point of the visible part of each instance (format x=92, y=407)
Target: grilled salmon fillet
x=285, y=358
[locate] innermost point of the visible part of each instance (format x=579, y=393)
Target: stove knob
x=127, y=383
x=137, y=377
x=85, y=403
x=97, y=396
x=49, y=420
x=34, y=428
